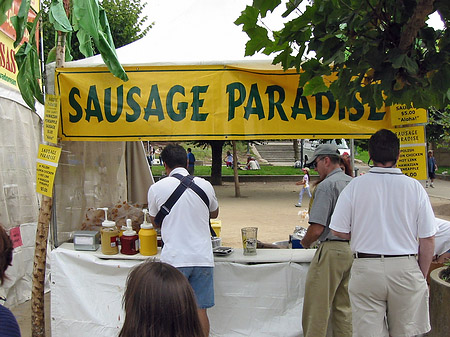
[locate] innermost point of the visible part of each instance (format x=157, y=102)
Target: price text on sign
x=413, y=159
x=402, y=114
x=47, y=162
x=51, y=119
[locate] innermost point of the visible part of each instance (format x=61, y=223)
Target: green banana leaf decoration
x=90, y=23
x=5, y=5
x=19, y=21
x=57, y=16
x=29, y=74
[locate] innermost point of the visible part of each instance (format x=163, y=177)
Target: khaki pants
x=389, y=297
x=326, y=291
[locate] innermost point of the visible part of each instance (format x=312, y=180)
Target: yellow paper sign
x=47, y=162
x=203, y=103
x=51, y=119
x=413, y=158
x=402, y=114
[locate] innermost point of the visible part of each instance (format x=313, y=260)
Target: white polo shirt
x=185, y=230
x=385, y=211
x=442, y=238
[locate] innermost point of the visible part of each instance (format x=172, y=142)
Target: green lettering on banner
x=270, y=91
x=198, y=103
x=256, y=98
x=182, y=106
x=158, y=109
x=93, y=105
x=75, y=105
x=304, y=109
x=233, y=103
x=133, y=104
x=319, y=106
x=376, y=115
x=107, y=104
x=359, y=111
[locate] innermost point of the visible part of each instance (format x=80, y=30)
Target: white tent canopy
x=191, y=32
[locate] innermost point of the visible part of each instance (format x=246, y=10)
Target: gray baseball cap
x=324, y=150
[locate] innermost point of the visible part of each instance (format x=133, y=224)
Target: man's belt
x=358, y=255
x=328, y=240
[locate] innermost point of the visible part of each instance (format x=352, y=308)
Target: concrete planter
x=439, y=304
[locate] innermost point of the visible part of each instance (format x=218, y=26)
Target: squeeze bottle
x=147, y=237
x=129, y=240
x=109, y=235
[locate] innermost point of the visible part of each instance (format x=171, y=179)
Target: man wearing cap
x=390, y=220
x=326, y=288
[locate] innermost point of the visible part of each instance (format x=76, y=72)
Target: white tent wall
x=20, y=134
x=97, y=174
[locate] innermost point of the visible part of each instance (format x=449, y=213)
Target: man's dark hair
x=384, y=146
x=174, y=155
x=189, y=149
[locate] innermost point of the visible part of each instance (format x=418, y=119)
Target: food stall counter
x=260, y=295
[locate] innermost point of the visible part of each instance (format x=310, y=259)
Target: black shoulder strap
x=185, y=182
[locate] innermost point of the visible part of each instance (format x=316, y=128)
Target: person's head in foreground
x=6, y=253
x=159, y=301
x=173, y=156
x=384, y=148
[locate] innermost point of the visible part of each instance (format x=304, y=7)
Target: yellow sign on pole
x=204, y=103
x=51, y=119
x=47, y=162
x=413, y=156
x=402, y=114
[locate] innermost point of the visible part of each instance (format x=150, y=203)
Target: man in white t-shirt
x=185, y=230
x=389, y=218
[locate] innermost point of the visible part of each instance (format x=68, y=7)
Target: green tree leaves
x=365, y=43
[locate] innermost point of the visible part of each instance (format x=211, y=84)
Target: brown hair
x=159, y=302
x=6, y=253
x=345, y=163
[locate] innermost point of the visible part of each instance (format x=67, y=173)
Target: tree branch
x=417, y=21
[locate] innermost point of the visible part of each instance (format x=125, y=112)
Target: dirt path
x=270, y=207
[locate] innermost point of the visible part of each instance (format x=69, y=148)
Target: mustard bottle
x=147, y=238
x=109, y=235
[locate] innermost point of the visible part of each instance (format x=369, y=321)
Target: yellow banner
x=401, y=114
x=203, y=103
x=47, y=162
x=413, y=156
x=51, y=118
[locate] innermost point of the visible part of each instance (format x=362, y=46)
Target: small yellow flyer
x=47, y=162
x=51, y=118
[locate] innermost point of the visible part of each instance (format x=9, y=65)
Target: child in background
x=305, y=183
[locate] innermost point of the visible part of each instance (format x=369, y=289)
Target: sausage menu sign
x=203, y=103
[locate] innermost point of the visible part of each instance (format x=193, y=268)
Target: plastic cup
x=249, y=240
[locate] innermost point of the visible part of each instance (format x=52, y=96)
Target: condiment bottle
x=109, y=235
x=129, y=240
x=147, y=238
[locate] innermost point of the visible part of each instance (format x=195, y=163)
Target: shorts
x=432, y=175
x=389, y=296
x=202, y=282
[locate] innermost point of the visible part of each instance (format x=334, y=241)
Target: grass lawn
x=202, y=154
x=265, y=170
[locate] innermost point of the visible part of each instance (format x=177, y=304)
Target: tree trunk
x=415, y=22
x=237, y=190
x=40, y=254
x=295, y=145
x=216, y=166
